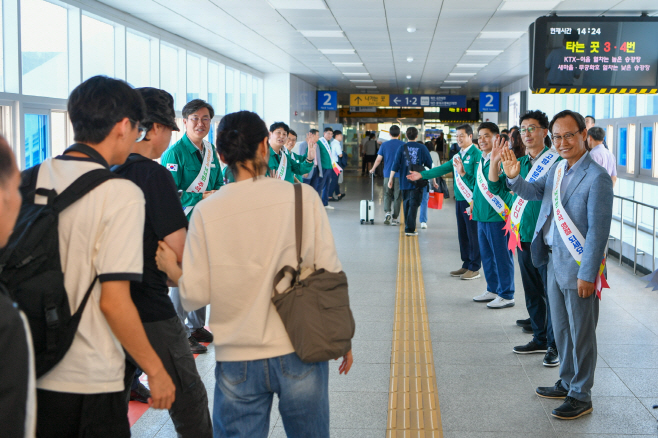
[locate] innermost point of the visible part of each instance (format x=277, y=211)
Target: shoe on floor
x=423, y=225
x=551, y=358
x=202, y=335
x=413, y=233
x=332, y=199
x=470, y=275
x=458, y=272
x=387, y=219
x=395, y=222
x=556, y=391
x=523, y=322
x=195, y=347
x=141, y=394
x=501, y=303
x=527, y=329
x=529, y=348
x=341, y=196
x=328, y=207
x=485, y=297
x=572, y=409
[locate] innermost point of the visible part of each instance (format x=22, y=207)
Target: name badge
x=212, y=165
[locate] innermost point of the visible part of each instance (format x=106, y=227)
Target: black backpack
x=421, y=183
x=31, y=269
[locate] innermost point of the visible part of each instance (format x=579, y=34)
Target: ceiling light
x=471, y=65
x=525, y=5
x=322, y=33
x=408, y=76
x=361, y=80
x=356, y=74
x=347, y=64
x=297, y=4
x=454, y=82
x=462, y=74
x=410, y=59
x=449, y=86
x=484, y=52
x=366, y=86
x=501, y=35
x=411, y=29
x=337, y=51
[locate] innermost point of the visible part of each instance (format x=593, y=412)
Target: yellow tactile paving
x=413, y=407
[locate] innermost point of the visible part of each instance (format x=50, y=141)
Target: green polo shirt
x=325, y=158
x=293, y=167
x=470, y=160
x=183, y=162
x=482, y=211
x=531, y=211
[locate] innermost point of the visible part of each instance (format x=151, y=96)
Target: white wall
x=303, y=113
x=277, y=98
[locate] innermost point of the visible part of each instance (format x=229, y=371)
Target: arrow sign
x=358, y=99
x=396, y=100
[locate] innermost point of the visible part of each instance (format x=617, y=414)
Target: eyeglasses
x=142, y=133
x=196, y=120
x=567, y=137
x=530, y=129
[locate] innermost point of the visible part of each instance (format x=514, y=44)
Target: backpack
x=31, y=269
x=130, y=161
x=421, y=183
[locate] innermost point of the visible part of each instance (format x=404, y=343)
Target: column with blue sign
x=489, y=102
x=327, y=100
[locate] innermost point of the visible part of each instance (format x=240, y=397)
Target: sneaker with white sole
x=470, y=275
x=329, y=207
x=413, y=233
x=501, y=303
x=387, y=218
x=395, y=222
x=423, y=225
x=485, y=297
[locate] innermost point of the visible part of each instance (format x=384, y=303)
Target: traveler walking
x=369, y=153
x=436, y=162
x=392, y=196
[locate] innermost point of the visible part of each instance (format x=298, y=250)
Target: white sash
x=461, y=185
x=539, y=169
x=200, y=183
x=495, y=201
x=283, y=165
x=573, y=240
x=336, y=168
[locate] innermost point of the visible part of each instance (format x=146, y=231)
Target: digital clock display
x=605, y=53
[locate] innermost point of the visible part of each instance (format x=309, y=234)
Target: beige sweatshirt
x=238, y=239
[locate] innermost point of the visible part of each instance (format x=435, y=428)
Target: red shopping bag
x=435, y=201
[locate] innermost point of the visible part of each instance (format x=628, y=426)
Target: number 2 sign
x=327, y=100
x=489, y=102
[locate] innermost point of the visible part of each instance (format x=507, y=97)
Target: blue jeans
x=244, y=392
x=423, y=205
x=497, y=260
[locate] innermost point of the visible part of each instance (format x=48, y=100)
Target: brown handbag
x=315, y=310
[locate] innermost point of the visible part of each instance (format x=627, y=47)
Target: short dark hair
x=7, y=162
x=291, y=132
x=195, y=105
x=580, y=120
x=537, y=115
x=338, y=132
x=505, y=131
x=593, y=120
x=490, y=126
x=313, y=131
x=98, y=104
x=597, y=133
x=412, y=133
x=276, y=125
x=394, y=131
x=513, y=128
x=238, y=137
x=466, y=128
x=329, y=128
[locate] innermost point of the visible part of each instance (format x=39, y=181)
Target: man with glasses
x=282, y=165
x=523, y=218
x=197, y=173
x=570, y=238
x=467, y=229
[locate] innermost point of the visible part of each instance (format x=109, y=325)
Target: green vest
x=325, y=158
x=183, y=162
x=293, y=167
x=470, y=160
x=482, y=211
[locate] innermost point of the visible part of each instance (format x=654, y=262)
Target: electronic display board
x=594, y=55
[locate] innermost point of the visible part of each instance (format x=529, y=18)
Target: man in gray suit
x=585, y=195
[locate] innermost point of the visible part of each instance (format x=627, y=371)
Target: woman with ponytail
x=238, y=239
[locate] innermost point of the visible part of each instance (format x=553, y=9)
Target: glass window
x=647, y=144
x=213, y=84
x=230, y=90
x=622, y=145
x=193, y=76
x=138, y=55
x=97, y=48
x=243, y=91
x=44, y=49
x=254, y=96
x=631, y=109
x=2, y=55
x=36, y=139
x=169, y=71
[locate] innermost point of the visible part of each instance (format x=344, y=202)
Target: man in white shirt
x=100, y=236
x=600, y=154
x=336, y=155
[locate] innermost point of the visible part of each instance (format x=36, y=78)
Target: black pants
x=467, y=232
x=189, y=412
x=536, y=299
x=364, y=162
x=411, y=200
x=67, y=415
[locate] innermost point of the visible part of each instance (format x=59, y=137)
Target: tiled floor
x=485, y=390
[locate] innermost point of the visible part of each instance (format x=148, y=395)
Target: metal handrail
x=638, y=204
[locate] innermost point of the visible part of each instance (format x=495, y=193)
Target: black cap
x=159, y=107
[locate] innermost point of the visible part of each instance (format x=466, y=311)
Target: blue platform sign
x=327, y=100
x=434, y=100
x=489, y=102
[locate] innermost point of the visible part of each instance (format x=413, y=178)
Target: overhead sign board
x=489, y=102
x=431, y=100
x=387, y=113
x=369, y=100
x=363, y=109
x=327, y=100
x=595, y=55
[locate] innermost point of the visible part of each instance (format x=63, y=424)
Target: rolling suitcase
x=368, y=206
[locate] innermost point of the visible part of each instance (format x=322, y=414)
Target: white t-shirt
x=100, y=234
x=336, y=150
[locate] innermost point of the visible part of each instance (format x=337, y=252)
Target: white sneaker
x=485, y=297
x=329, y=207
x=500, y=303
x=395, y=222
x=387, y=218
x=423, y=225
